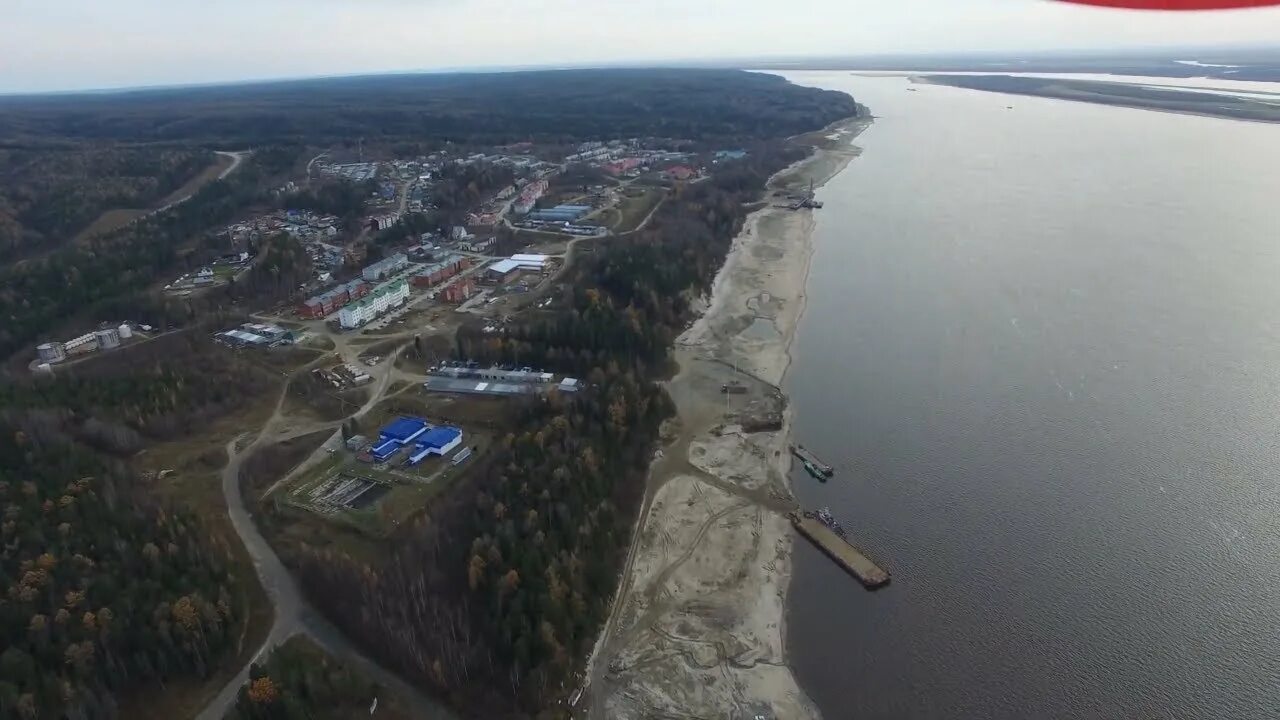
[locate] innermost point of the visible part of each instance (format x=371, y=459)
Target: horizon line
x=756, y=62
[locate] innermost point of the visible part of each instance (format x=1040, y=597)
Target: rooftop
x=404, y=429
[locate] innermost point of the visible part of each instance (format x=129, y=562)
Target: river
x=1042, y=348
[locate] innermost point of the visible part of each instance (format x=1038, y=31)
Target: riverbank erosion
x=697, y=626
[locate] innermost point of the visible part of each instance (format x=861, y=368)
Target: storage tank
x=108, y=338
x=51, y=352
x=125, y=331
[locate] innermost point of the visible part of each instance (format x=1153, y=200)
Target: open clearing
x=117, y=218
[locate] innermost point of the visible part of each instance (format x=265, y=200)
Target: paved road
x=293, y=614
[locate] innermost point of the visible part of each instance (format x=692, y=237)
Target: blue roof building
x=385, y=449
x=404, y=430
x=436, y=441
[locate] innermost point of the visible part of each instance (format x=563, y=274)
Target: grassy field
x=117, y=218
x=633, y=209
x=110, y=220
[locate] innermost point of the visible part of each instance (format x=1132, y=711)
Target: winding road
x=293, y=614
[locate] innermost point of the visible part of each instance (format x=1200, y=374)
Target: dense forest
x=478, y=108
x=299, y=682
x=159, y=390
x=48, y=195
x=343, y=199
x=108, y=275
x=104, y=591
x=497, y=594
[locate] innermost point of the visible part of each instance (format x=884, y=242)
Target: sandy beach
x=697, y=627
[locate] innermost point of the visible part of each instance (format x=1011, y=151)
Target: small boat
x=825, y=517
x=814, y=471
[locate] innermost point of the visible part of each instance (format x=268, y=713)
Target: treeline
x=342, y=198
x=110, y=274
x=565, y=106
x=497, y=595
x=282, y=264
x=299, y=682
x=49, y=194
x=158, y=390
x=104, y=592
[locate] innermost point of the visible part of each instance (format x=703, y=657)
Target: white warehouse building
x=374, y=304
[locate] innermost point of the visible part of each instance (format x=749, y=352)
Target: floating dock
x=811, y=461
x=872, y=576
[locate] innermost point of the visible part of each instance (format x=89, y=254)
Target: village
x=381, y=294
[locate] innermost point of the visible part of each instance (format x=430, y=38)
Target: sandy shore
x=697, y=628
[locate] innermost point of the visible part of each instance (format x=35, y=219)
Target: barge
x=823, y=531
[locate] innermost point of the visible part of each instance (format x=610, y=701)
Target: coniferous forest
x=104, y=591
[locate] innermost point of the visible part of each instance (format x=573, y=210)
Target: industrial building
x=437, y=441
x=51, y=352
x=381, y=300
x=560, y=213
x=493, y=381
x=86, y=343
x=496, y=374
x=385, y=268
x=478, y=387
x=502, y=270
x=108, y=338
x=405, y=431
x=105, y=337
x=255, y=335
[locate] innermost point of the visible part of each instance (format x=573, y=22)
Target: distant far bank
x=1166, y=99
x=1230, y=63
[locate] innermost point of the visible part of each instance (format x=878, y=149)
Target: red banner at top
x=1178, y=4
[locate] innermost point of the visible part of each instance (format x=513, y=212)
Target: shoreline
x=695, y=630
x=1241, y=110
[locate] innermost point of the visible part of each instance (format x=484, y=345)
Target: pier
x=872, y=576
x=812, y=460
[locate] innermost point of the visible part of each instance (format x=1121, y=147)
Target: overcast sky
x=69, y=44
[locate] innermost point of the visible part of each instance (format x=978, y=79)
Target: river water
x=1042, y=348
